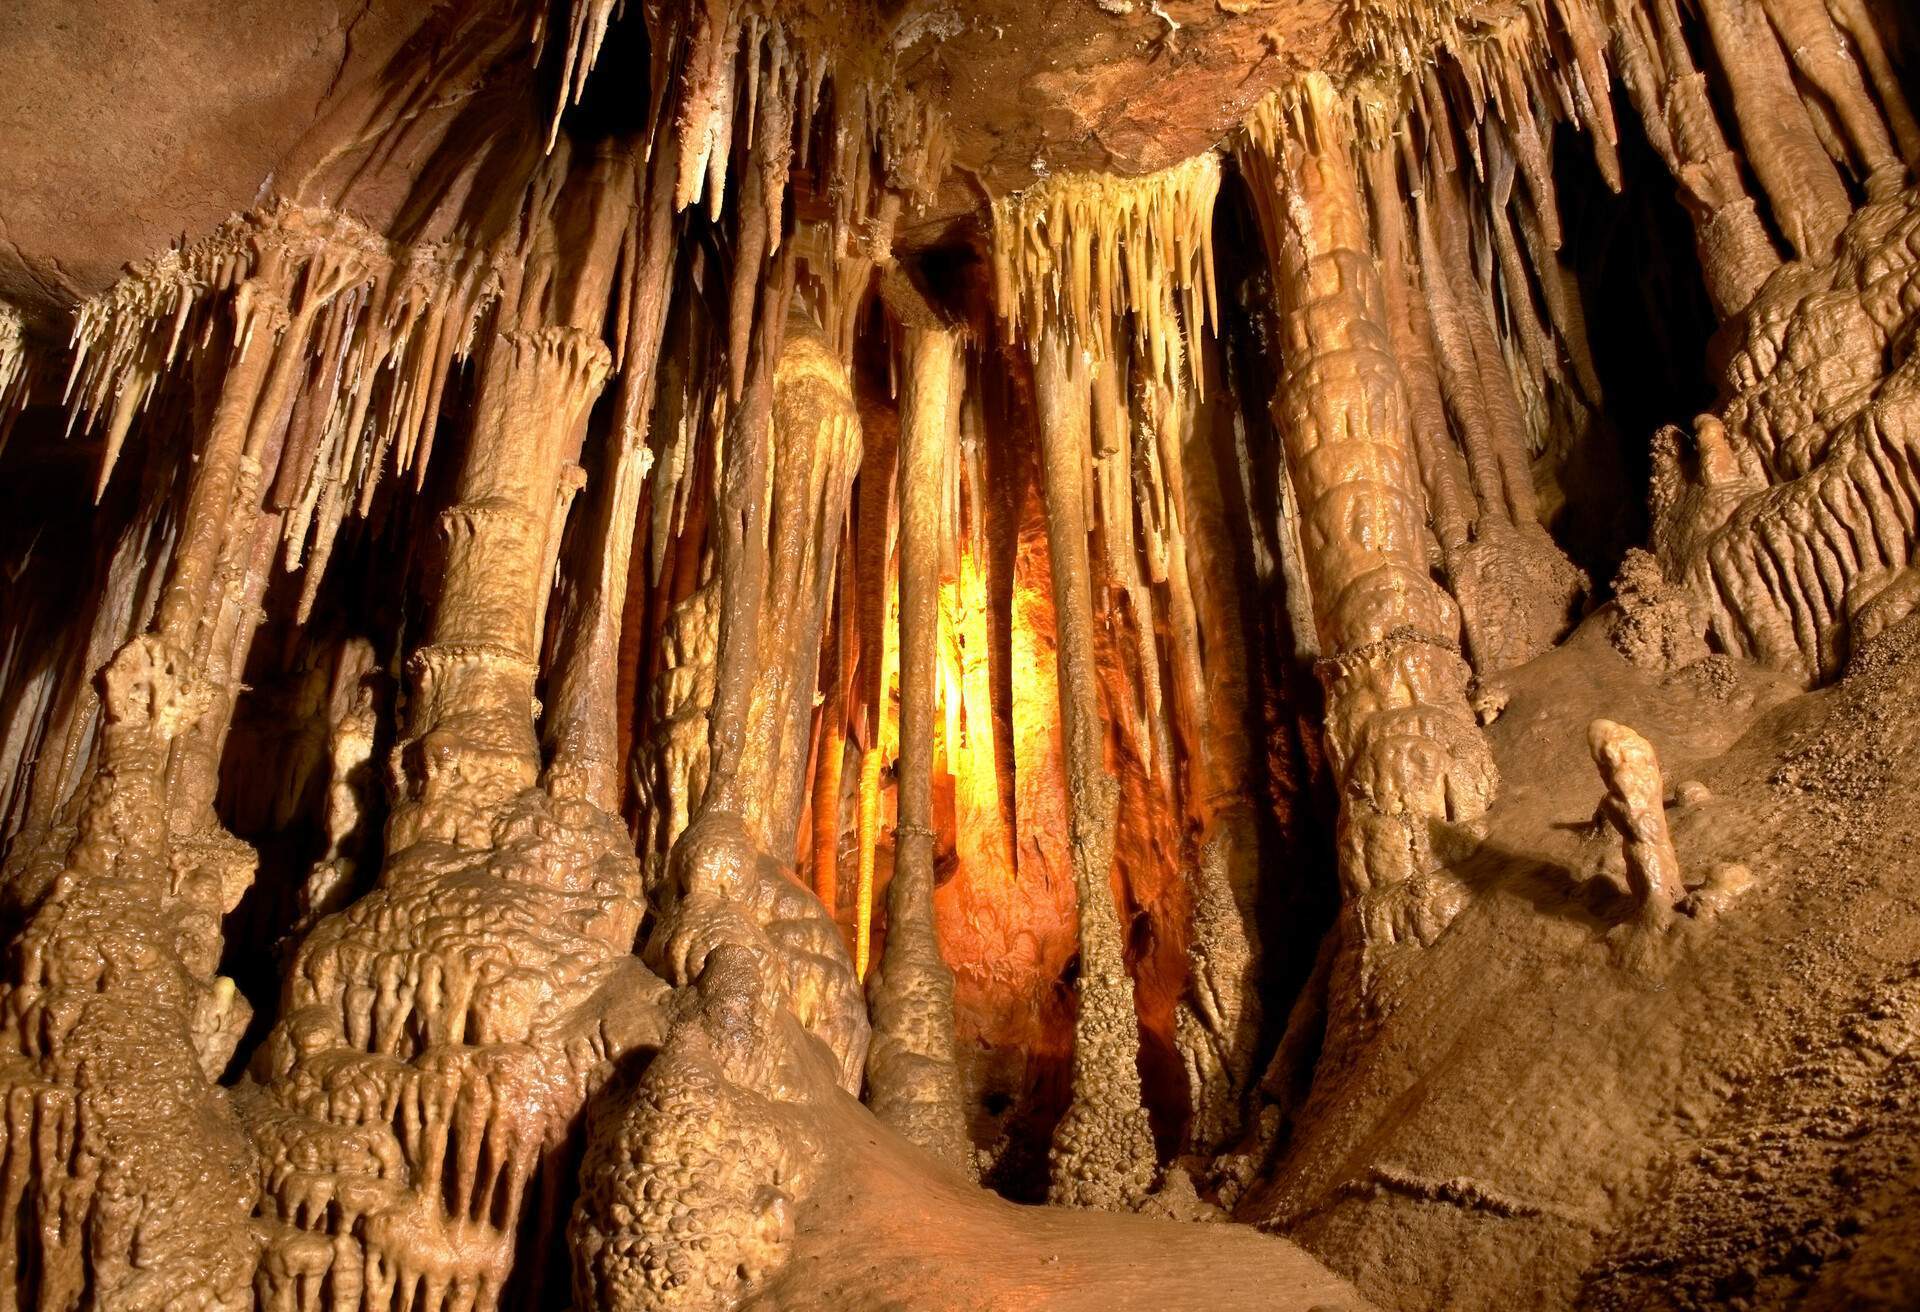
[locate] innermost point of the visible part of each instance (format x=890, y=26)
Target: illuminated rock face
x=705, y=634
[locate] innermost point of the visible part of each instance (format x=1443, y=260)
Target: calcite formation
x=1403, y=744
x=709, y=647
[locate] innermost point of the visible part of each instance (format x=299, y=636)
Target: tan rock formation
x=1403, y=743
x=913, y=1085
x=670, y=569
x=1635, y=805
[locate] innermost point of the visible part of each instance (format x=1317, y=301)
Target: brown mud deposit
x=1073, y=654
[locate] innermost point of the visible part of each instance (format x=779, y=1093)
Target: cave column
x=273, y=344
x=473, y=711
x=225, y=476
x=911, y=1078
x=471, y=735
x=790, y=451
x=581, y=726
x=1102, y=1154
x=1400, y=735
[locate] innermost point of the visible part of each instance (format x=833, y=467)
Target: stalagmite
x=1785, y=513
x=118, y=1029
x=1635, y=806
x=167, y=700
x=1102, y=1153
x=1403, y=743
x=872, y=760
x=911, y=1078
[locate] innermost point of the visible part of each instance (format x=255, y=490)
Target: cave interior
x=879, y=654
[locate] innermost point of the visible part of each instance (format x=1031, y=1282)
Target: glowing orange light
x=870, y=762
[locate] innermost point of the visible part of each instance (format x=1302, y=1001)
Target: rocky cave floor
x=1553, y=1106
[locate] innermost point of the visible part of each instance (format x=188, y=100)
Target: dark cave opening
x=1649, y=322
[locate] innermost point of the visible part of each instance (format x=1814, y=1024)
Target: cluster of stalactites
x=1076, y=252
x=1464, y=98
x=1802, y=90
x=360, y=337
x=1465, y=139
x=13, y=364
x=730, y=73
x=382, y=327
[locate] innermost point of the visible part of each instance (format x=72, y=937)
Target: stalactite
x=397, y=318
x=873, y=558
x=816, y=455
x=170, y=697
x=1411, y=330
x=1808, y=200
x=14, y=377
x=911, y=1076
x=1075, y=251
x=230, y=528
x=580, y=726
x=1119, y=482
x=791, y=449
x=44, y=781
x=1735, y=252
x=670, y=756
x=830, y=771
x=1395, y=685
x=1812, y=42
x=1858, y=24
x=1516, y=588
